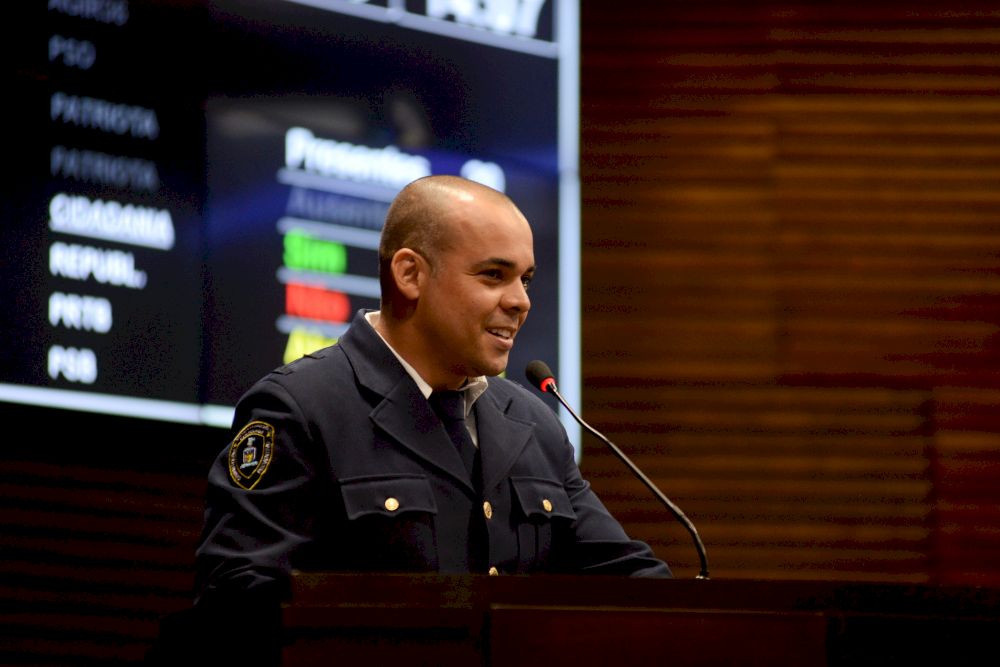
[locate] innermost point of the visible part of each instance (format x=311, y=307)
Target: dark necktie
x=450, y=407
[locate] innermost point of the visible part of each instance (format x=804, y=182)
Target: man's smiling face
x=474, y=300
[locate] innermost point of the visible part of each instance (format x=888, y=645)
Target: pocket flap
x=387, y=495
x=542, y=498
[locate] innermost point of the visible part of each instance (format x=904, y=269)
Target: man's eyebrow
x=500, y=261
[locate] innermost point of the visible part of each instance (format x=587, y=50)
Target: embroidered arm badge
x=250, y=454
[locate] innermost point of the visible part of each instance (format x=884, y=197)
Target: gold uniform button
x=547, y=505
x=494, y=572
x=488, y=510
x=391, y=504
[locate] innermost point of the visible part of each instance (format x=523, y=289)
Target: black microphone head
x=537, y=373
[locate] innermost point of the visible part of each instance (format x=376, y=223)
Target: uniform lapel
x=501, y=438
x=403, y=412
x=407, y=417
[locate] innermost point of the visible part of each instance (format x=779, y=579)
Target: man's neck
x=396, y=337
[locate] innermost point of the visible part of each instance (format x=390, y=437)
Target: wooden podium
x=425, y=620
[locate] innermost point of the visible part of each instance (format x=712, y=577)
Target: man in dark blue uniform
x=347, y=460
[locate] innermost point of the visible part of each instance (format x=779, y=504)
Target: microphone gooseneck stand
x=541, y=377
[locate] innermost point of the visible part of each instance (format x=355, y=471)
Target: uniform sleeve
x=598, y=543
x=260, y=502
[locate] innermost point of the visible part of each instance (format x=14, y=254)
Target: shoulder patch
x=250, y=454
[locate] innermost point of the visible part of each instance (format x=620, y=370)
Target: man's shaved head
x=420, y=218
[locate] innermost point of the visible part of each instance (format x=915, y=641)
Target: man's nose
x=516, y=298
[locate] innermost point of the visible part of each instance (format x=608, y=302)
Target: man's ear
x=408, y=269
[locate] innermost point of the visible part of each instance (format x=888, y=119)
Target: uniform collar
x=472, y=389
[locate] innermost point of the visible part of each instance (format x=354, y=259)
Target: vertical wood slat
x=790, y=209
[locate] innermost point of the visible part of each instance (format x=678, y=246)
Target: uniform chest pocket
x=545, y=515
x=542, y=499
x=390, y=523
x=387, y=495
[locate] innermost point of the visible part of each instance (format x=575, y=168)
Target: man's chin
x=493, y=369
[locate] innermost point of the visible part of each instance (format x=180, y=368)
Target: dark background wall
x=790, y=217
x=790, y=293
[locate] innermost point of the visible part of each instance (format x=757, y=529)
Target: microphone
x=539, y=374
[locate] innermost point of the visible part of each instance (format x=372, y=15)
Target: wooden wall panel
x=966, y=471
x=790, y=266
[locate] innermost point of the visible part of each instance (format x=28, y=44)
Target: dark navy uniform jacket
x=338, y=463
